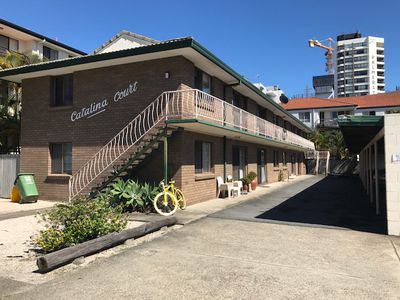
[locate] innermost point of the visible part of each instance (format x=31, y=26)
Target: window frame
x=199, y=157
x=276, y=158
x=62, y=80
x=199, y=81
x=63, y=159
x=51, y=53
x=304, y=119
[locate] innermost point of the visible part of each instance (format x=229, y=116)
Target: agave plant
x=150, y=192
x=133, y=196
x=118, y=189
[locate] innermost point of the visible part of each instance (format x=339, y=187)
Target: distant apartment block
x=359, y=65
x=324, y=86
x=19, y=39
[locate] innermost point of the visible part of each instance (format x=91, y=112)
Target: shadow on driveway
x=333, y=201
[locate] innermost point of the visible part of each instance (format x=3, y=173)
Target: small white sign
x=395, y=157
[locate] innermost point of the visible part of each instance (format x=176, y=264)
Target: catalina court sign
x=100, y=106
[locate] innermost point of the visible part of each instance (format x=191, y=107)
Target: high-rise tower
x=359, y=64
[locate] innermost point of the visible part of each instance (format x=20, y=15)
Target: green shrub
x=252, y=175
x=80, y=221
x=246, y=180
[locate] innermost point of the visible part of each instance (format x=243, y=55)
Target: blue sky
x=268, y=38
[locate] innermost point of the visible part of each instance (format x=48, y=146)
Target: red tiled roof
x=303, y=103
x=378, y=100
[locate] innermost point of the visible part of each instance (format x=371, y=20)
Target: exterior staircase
x=129, y=162
x=127, y=149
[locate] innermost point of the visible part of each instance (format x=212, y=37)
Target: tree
x=10, y=101
x=331, y=140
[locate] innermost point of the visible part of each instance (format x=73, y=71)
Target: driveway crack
x=395, y=249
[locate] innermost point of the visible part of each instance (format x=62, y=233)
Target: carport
x=376, y=141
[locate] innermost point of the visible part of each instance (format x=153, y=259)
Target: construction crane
x=328, y=54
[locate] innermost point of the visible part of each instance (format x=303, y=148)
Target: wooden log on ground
x=65, y=256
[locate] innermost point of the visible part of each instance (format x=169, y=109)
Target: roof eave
x=42, y=37
x=172, y=45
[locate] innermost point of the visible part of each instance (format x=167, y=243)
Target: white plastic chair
x=236, y=183
x=226, y=187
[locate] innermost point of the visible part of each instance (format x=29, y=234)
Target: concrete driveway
x=334, y=202
x=220, y=258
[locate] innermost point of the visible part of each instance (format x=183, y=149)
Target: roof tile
x=369, y=101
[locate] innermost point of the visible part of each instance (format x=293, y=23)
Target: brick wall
x=49, y=125
x=392, y=169
x=201, y=187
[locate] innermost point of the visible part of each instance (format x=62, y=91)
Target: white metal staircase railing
x=179, y=104
x=165, y=104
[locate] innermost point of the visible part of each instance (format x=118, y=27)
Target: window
x=276, y=160
x=360, y=73
x=262, y=112
x=49, y=53
x=304, y=116
x=284, y=162
x=62, y=90
x=61, y=158
x=202, y=153
x=202, y=81
x=361, y=87
x=372, y=113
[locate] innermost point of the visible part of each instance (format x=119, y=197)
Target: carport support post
x=165, y=160
x=224, y=157
x=371, y=196
x=367, y=169
x=376, y=178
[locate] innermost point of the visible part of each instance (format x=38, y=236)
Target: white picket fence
x=9, y=168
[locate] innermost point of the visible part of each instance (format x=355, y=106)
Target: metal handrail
x=153, y=114
x=179, y=104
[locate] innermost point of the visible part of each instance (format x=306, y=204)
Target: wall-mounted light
x=167, y=75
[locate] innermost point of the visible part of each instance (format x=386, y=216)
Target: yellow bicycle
x=167, y=201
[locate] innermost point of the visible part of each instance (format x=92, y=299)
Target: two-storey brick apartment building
x=87, y=120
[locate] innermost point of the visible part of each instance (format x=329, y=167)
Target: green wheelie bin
x=26, y=186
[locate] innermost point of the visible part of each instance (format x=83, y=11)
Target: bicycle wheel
x=181, y=199
x=165, y=203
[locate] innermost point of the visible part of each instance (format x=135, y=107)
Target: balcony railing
x=202, y=106
x=327, y=123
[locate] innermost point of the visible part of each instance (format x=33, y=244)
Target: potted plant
x=252, y=177
x=246, y=183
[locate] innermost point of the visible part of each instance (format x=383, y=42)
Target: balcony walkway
x=337, y=202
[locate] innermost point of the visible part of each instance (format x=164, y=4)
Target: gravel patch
x=18, y=256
